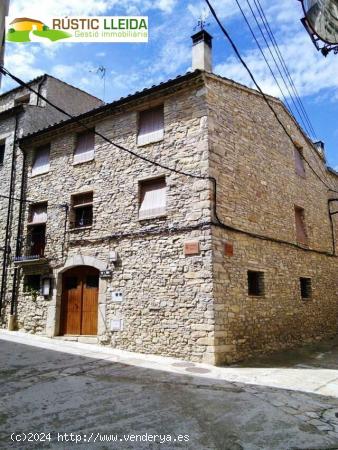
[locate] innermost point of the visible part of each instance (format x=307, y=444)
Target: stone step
x=82, y=339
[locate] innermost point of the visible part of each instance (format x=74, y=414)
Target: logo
x=78, y=29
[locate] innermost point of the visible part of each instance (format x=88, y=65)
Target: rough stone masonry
x=190, y=287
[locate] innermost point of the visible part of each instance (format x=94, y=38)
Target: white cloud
x=45, y=8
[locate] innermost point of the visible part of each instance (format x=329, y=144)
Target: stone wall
x=253, y=162
x=35, y=115
x=167, y=296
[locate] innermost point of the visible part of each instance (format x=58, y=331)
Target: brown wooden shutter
x=300, y=226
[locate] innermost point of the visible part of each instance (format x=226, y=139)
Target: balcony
x=34, y=250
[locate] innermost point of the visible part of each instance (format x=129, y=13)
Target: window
x=38, y=214
x=255, y=283
x=299, y=162
x=305, y=287
x=300, y=226
x=82, y=210
x=23, y=100
x=84, y=149
x=153, y=200
x=2, y=152
x=31, y=283
x=41, y=161
x=151, y=124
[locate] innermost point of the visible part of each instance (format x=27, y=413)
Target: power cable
x=234, y=47
x=283, y=63
x=279, y=70
x=284, y=66
x=170, y=169
x=265, y=58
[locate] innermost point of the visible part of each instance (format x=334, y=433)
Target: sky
x=133, y=66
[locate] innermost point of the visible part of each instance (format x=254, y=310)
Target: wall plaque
x=192, y=248
x=229, y=249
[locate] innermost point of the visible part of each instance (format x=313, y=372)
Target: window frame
x=91, y=153
x=46, y=168
x=299, y=213
x=2, y=153
x=76, y=207
x=305, y=286
x=163, y=211
x=251, y=289
x=299, y=162
x=153, y=136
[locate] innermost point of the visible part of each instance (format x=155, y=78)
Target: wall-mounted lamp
x=46, y=287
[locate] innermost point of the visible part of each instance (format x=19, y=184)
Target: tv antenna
x=101, y=71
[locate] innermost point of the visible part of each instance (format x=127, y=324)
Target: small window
x=38, y=214
x=23, y=100
x=2, y=152
x=82, y=210
x=84, y=149
x=41, y=162
x=301, y=233
x=305, y=287
x=153, y=198
x=32, y=283
x=151, y=124
x=299, y=162
x=255, y=283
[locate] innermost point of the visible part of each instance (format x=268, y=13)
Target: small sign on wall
x=191, y=248
x=116, y=325
x=116, y=296
x=105, y=274
x=229, y=249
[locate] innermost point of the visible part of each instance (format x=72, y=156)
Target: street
x=49, y=394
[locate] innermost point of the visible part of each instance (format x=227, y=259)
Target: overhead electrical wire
x=283, y=63
x=218, y=222
x=284, y=67
x=237, y=52
x=265, y=58
x=293, y=100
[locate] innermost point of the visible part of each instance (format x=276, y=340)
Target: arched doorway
x=79, y=302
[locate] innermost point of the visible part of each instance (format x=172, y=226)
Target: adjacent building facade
x=150, y=254
x=22, y=112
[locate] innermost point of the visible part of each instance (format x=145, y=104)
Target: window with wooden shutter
x=153, y=198
x=301, y=233
x=299, y=163
x=41, y=161
x=38, y=213
x=84, y=149
x=151, y=125
x=2, y=152
x=82, y=210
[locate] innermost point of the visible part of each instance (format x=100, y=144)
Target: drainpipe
x=331, y=200
x=8, y=221
x=18, y=247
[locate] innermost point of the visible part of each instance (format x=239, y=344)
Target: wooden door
x=79, y=305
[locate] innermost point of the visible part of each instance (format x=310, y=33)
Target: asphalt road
x=44, y=391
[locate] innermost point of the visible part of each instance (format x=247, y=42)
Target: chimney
x=320, y=146
x=201, y=51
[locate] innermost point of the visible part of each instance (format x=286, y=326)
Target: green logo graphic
x=24, y=29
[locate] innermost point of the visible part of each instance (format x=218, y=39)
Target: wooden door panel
x=79, y=307
x=89, y=304
x=71, y=304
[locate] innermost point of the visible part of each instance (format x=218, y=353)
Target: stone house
x=148, y=259
x=22, y=112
